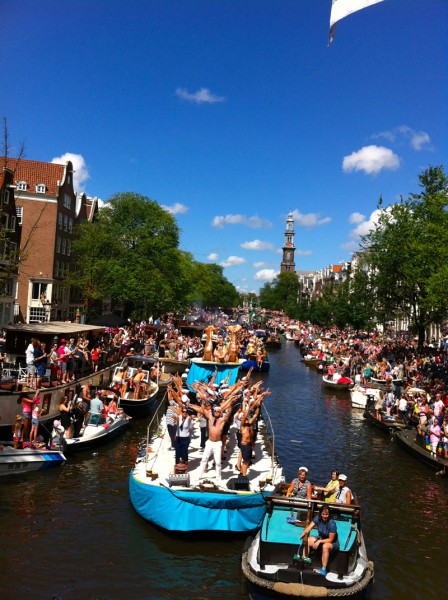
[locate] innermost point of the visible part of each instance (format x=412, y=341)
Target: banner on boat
x=343, y=8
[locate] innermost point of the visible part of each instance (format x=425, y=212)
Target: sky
x=232, y=113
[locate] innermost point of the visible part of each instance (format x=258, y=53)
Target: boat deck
x=158, y=466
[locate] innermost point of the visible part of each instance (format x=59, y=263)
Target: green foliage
x=281, y=294
x=130, y=254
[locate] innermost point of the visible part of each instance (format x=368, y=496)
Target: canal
x=72, y=532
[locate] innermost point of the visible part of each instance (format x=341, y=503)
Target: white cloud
x=254, y=222
x=304, y=252
x=202, y=96
x=350, y=246
x=367, y=225
x=257, y=245
x=371, y=159
x=175, y=209
x=356, y=217
x=309, y=220
x=212, y=256
x=81, y=173
x=266, y=275
x=258, y=265
x=417, y=139
x=232, y=261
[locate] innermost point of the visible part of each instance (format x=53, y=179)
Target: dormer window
x=41, y=188
x=22, y=186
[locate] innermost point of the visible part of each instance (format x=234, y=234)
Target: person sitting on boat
x=344, y=493
x=326, y=539
x=220, y=352
x=301, y=487
x=112, y=408
x=330, y=490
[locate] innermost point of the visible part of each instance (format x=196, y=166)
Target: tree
x=281, y=294
x=407, y=255
x=130, y=254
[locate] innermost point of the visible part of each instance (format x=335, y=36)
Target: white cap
x=303, y=469
x=343, y=477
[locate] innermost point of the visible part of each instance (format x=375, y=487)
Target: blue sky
x=231, y=113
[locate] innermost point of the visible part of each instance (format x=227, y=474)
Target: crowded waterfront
x=87, y=499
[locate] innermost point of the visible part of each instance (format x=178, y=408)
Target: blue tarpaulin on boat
x=177, y=510
x=203, y=371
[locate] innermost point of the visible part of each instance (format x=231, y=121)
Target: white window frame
x=6, y=196
x=41, y=188
x=22, y=186
x=12, y=224
x=19, y=214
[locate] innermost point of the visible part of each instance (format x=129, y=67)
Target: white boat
x=337, y=383
x=359, y=395
x=183, y=502
x=98, y=430
x=18, y=461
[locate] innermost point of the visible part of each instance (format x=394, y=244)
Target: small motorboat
x=383, y=383
x=136, y=399
x=16, y=461
x=386, y=422
x=99, y=429
x=360, y=395
x=311, y=360
x=337, y=383
x=275, y=568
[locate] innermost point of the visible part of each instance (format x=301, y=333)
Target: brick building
x=48, y=209
x=9, y=243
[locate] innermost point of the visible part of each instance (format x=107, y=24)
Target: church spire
x=287, y=263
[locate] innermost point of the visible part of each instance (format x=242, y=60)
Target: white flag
x=342, y=8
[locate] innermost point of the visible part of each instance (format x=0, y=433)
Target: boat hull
x=95, y=436
x=252, y=364
x=16, y=462
x=337, y=387
x=408, y=439
x=180, y=511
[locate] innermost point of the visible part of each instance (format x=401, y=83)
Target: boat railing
x=271, y=435
x=312, y=505
x=154, y=423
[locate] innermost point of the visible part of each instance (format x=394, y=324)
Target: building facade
x=10, y=235
x=49, y=210
x=289, y=248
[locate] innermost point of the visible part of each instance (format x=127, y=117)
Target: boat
x=142, y=400
x=311, y=360
x=360, y=395
x=383, y=383
x=341, y=384
x=99, y=429
x=418, y=446
x=251, y=363
x=274, y=569
x=180, y=502
x=17, y=338
x=17, y=461
x=387, y=422
x=169, y=356
x=273, y=340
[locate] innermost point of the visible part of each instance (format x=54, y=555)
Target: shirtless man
x=247, y=432
x=217, y=417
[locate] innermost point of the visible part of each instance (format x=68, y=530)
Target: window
x=64, y=245
x=22, y=186
x=58, y=244
x=37, y=314
x=7, y=289
x=59, y=220
x=56, y=268
x=65, y=222
x=70, y=225
x=5, y=220
x=19, y=213
x=6, y=196
x=41, y=188
x=12, y=224
x=69, y=247
x=38, y=290
x=67, y=201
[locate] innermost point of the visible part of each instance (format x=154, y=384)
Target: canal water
x=73, y=533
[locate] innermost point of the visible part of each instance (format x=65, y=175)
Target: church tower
x=287, y=263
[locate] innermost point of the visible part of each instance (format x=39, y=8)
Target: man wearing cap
x=344, y=493
x=301, y=487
